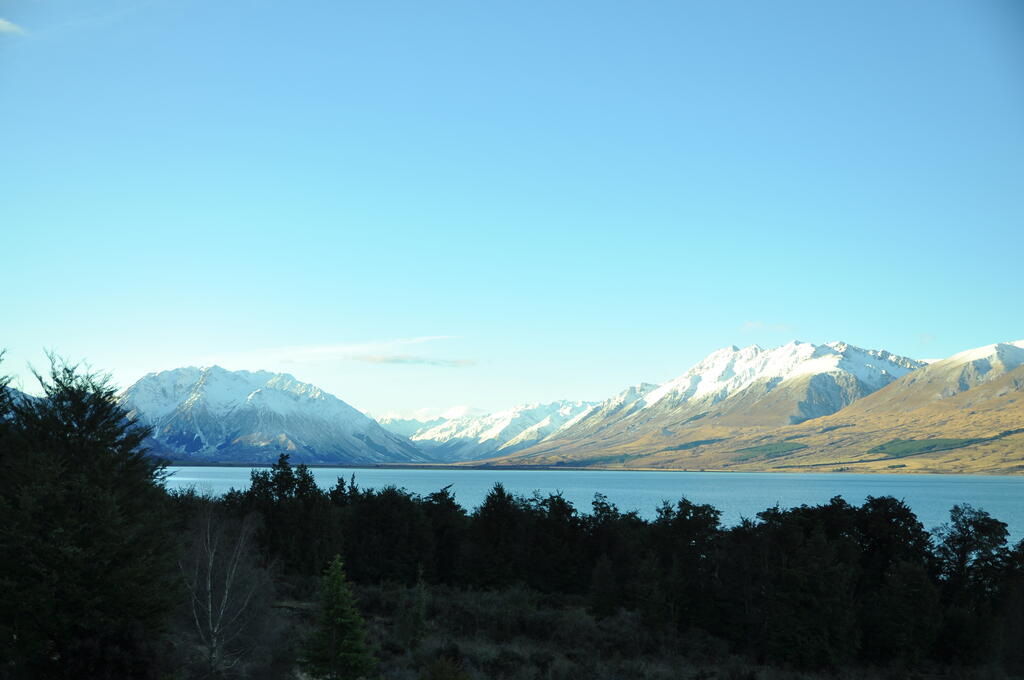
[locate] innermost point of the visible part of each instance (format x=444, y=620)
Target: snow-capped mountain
x=425, y=419
x=961, y=414
x=212, y=414
x=471, y=437
x=591, y=421
x=728, y=371
x=736, y=408
x=407, y=427
x=749, y=386
x=946, y=378
x=966, y=370
x=757, y=409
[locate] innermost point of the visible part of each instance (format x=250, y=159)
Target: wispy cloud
x=319, y=353
x=413, y=360
x=82, y=16
x=10, y=27
x=755, y=326
x=373, y=352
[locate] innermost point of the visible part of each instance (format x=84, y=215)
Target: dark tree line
x=99, y=564
x=813, y=586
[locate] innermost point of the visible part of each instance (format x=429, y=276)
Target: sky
x=416, y=205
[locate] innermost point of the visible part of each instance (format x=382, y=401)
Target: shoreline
x=567, y=468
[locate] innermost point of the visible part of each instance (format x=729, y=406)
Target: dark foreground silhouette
x=105, y=574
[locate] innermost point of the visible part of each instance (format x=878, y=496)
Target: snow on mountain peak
x=1010, y=354
x=731, y=369
x=214, y=412
x=220, y=391
x=473, y=436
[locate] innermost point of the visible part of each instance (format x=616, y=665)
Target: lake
x=736, y=494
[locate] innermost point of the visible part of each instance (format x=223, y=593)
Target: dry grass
x=521, y=635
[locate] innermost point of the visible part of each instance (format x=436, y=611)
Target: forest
x=106, y=574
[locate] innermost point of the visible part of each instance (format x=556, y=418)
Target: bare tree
x=227, y=589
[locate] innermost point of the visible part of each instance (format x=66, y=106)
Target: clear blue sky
x=420, y=204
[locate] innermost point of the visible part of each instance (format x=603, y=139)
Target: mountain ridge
x=474, y=437
x=784, y=385
x=211, y=414
x=973, y=400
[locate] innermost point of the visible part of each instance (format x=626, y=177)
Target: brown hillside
x=941, y=419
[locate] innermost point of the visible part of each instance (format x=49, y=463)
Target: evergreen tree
x=969, y=549
x=903, y=618
x=387, y=536
x=448, y=523
x=5, y=398
x=87, y=559
x=300, y=524
x=337, y=647
x=556, y=546
x=684, y=538
x=499, y=533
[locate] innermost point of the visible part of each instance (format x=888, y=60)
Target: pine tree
x=87, y=555
x=337, y=647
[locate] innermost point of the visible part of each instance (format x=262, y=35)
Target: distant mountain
x=800, y=406
x=792, y=383
x=604, y=414
x=732, y=387
x=407, y=427
x=473, y=437
x=14, y=395
x=215, y=415
x=950, y=377
x=960, y=414
x=421, y=421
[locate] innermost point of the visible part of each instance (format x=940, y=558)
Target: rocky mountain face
x=604, y=414
x=214, y=415
x=746, y=387
x=961, y=414
x=950, y=377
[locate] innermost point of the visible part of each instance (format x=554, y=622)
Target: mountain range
x=961, y=414
x=472, y=437
x=800, y=406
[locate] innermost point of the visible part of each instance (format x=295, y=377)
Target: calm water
x=736, y=494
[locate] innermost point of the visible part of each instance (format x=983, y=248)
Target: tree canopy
x=87, y=572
